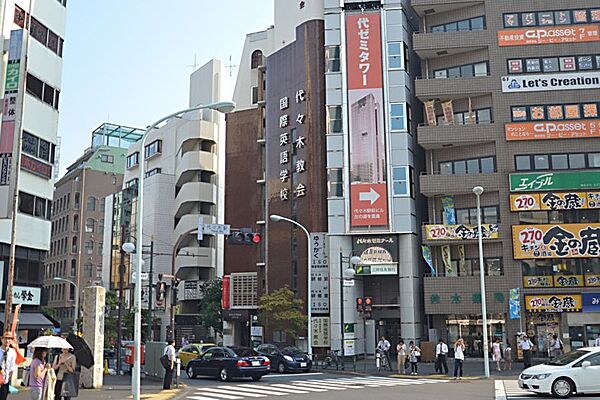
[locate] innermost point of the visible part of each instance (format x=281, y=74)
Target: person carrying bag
x=65, y=365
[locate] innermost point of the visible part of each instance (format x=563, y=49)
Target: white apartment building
x=31, y=84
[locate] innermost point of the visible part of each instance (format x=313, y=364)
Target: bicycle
x=382, y=360
x=333, y=357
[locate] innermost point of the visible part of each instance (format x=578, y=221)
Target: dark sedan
x=285, y=358
x=225, y=363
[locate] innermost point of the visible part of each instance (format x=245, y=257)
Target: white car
x=574, y=372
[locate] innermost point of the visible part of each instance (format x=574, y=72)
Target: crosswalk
x=248, y=391
x=510, y=390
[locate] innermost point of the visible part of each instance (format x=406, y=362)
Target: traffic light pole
x=342, y=307
x=150, y=335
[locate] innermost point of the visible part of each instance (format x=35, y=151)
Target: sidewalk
x=115, y=388
x=472, y=367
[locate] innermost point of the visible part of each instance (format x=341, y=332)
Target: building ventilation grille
x=244, y=290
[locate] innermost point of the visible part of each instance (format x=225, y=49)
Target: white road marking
x=294, y=375
x=230, y=391
x=263, y=389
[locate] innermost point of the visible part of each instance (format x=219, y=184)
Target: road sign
x=144, y=275
x=348, y=282
x=217, y=229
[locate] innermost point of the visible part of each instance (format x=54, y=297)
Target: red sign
x=37, y=167
x=369, y=204
x=576, y=129
x=368, y=173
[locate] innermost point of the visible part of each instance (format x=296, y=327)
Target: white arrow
x=371, y=196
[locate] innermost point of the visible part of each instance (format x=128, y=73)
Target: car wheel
x=281, y=368
x=223, y=374
x=190, y=372
x=563, y=387
x=256, y=378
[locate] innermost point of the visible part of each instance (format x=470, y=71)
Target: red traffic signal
x=245, y=236
x=256, y=239
x=359, y=304
x=368, y=304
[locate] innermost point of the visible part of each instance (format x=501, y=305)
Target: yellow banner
x=553, y=303
x=555, y=201
x=542, y=318
x=556, y=241
x=537, y=281
x=460, y=232
x=568, y=280
x=592, y=280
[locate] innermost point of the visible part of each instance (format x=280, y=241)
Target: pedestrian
x=497, y=353
x=597, y=341
x=38, y=371
x=508, y=357
x=8, y=364
x=401, y=349
x=556, y=347
x=414, y=352
x=184, y=341
x=64, y=364
x=441, y=352
x=170, y=353
x=384, y=347
x=459, y=358
x=527, y=346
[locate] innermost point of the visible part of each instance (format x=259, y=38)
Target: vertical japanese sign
x=449, y=211
x=320, y=273
x=514, y=304
x=11, y=104
x=368, y=177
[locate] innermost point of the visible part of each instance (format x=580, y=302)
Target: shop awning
x=31, y=321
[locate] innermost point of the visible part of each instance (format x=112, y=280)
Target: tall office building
x=31, y=83
x=510, y=90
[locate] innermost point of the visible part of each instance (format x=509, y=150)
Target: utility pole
x=120, y=313
x=150, y=336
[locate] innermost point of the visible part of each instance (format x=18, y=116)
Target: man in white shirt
x=8, y=364
x=441, y=352
x=384, y=347
x=526, y=345
x=170, y=353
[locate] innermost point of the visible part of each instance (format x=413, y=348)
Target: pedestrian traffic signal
x=368, y=304
x=245, y=236
x=161, y=291
x=359, y=304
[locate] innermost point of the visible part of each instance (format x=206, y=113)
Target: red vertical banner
x=368, y=167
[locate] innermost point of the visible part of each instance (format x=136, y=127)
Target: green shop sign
x=539, y=182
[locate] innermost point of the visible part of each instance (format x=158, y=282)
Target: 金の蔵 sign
x=555, y=201
x=553, y=303
x=556, y=241
x=461, y=232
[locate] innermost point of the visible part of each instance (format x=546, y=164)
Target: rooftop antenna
x=195, y=65
x=230, y=67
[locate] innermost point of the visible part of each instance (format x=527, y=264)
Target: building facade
x=510, y=91
x=78, y=220
x=31, y=83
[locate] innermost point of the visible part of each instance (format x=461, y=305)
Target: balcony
x=442, y=44
x=454, y=88
x=440, y=136
x=441, y=235
x=196, y=160
x=189, y=223
x=428, y=7
x=441, y=185
x=190, y=259
x=192, y=192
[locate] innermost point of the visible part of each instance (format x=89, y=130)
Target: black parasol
x=81, y=350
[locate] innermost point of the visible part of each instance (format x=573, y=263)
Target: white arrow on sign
x=371, y=196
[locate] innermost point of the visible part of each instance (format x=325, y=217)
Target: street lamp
x=76, y=314
x=478, y=190
x=347, y=273
x=277, y=218
x=223, y=107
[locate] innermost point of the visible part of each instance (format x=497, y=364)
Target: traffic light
x=359, y=304
x=245, y=236
x=161, y=291
x=368, y=306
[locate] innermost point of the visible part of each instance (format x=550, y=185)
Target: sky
x=128, y=61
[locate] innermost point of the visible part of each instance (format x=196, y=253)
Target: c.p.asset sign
x=548, y=82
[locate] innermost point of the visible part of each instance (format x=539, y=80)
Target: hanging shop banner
x=541, y=182
x=426, y=250
x=447, y=260
x=320, y=273
x=448, y=111
x=591, y=302
x=430, y=113
x=462, y=259
x=576, y=129
x=556, y=241
x=553, y=303
x=378, y=254
x=555, y=201
x=449, y=211
x=460, y=232
x=368, y=179
x=320, y=332
x=549, y=35
x=514, y=304
x=537, y=281
x=551, y=82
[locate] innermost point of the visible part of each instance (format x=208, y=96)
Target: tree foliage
x=281, y=311
x=209, y=309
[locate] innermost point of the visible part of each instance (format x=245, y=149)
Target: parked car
x=225, y=363
x=285, y=358
x=191, y=351
x=574, y=372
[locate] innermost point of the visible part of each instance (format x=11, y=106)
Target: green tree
x=282, y=311
x=209, y=309
x=110, y=319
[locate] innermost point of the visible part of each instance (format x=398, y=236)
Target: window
x=35, y=206
x=87, y=270
x=91, y=203
x=472, y=24
x=523, y=163
x=554, y=112
x=133, y=183
x=89, y=247
x=102, y=204
x=401, y=180
x=332, y=59
x=557, y=161
x=90, y=225
x=254, y=95
x=36, y=147
x=107, y=158
x=397, y=117
x=334, y=116
x=76, y=201
x=553, y=64
x=76, y=223
x=38, y=31
x=153, y=148
x=256, y=59
x=463, y=71
x=335, y=182
x=73, y=267
x=468, y=216
x=26, y=203
x=42, y=91
x=483, y=165
x=133, y=159
x=395, y=55
x=153, y=171
x=594, y=160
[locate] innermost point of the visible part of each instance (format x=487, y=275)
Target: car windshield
x=244, y=352
x=568, y=358
x=292, y=351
